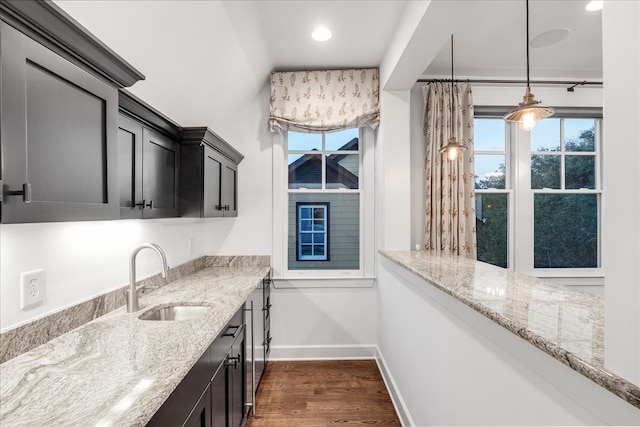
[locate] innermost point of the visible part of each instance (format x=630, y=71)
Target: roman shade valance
x=321, y=101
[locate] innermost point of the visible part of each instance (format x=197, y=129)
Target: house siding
x=344, y=231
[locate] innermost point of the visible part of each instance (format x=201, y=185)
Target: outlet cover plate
x=31, y=289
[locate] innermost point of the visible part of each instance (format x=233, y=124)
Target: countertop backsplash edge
x=28, y=335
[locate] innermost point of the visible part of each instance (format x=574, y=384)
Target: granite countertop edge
x=118, y=369
x=619, y=386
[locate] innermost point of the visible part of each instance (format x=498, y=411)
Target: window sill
x=323, y=282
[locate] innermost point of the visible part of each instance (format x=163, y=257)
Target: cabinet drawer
x=224, y=341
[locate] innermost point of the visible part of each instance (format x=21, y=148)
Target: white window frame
x=282, y=276
x=521, y=202
x=508, y=187
x=312, y=232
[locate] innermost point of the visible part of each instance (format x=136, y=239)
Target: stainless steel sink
x=175, y=312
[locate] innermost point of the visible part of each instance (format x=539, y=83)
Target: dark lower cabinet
x=212, y=394
x=236, y=391
x=201, y=414
x=219, y=398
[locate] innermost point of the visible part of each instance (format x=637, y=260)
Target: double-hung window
x=324, y=200
x=323, y=207
x=538, y=195
x=312, y=231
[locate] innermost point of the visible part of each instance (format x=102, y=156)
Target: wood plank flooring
x=323, y=394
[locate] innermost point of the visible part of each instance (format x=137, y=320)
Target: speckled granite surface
x=565, y=323
x=117, y=370
x=27, y=336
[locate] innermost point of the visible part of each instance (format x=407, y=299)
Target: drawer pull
x=234, y=334
x=25, y=192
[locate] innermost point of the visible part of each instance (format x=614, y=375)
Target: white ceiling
x=489, y=41
x=361, y=31
x=206, y=60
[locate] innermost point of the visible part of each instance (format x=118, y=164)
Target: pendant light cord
x=452, y=104
x=527, y=41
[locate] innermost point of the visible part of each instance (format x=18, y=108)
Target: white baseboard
x=396, y=397
x=319, y=352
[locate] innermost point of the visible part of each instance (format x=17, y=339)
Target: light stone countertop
x=565, y=323
x=118, y=370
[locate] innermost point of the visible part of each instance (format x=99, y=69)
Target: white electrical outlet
x=31, y=289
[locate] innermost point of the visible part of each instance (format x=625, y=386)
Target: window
x=323, y=188
x=313, y=231
x=538, y=195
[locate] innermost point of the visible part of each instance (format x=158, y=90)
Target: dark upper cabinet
x=209, y=175
x=58, y=117
x=58, y=136
x=148, y=161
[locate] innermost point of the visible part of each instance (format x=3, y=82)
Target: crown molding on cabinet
x=49, y=25
x=198, y=135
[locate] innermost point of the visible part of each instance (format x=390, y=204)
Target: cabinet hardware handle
x=141, y=204
x=226, y=207
x=149, y=205
x=232, y=361
x=233, y=334
x=219, y=207
x=25, y=192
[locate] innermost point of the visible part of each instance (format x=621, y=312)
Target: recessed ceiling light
x=549, y=38
x=321, y=34
x=594, y=5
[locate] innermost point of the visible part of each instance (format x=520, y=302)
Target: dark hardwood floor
x=323, y=394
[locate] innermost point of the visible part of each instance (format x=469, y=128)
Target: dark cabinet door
x=213, y=169
x=201, y=414
x=130, y=168
x=219, y=398
x=58, y=136
x=229, y=188
x=161, y=169
x=236, y=384
x=148, y=172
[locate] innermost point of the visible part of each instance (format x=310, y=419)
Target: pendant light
x=453, y=148
x=529, y=111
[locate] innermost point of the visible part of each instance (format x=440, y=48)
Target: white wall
x=84, y=259
x=621, y=202
x=324, y=323
x=449, y=365
x=203, y=66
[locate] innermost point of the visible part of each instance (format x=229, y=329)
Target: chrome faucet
x=132, y=292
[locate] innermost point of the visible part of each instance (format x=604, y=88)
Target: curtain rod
x=574, y=83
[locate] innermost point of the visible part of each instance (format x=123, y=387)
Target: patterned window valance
x=324, y=100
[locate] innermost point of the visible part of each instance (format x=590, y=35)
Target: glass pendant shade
x=529, y=111
x=452, y=150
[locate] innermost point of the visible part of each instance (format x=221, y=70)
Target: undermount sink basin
x=175, y=312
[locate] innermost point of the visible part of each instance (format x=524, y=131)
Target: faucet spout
x=132, y=293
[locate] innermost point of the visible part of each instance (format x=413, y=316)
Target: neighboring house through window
x=313, y=231
x=324, y=200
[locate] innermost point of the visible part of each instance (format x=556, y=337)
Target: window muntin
x=324, y=171
x=563, y=154
x=313, y=230
x=492, y=187
x=552, y=222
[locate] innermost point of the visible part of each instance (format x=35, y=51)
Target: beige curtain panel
x=450, y=195
x=321, y=101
